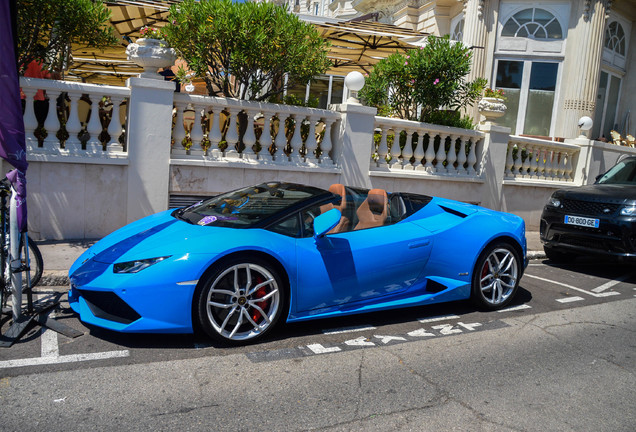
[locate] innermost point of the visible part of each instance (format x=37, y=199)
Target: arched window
x=458, y=31
x=615, y=38
x=533, y=23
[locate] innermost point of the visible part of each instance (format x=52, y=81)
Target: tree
x=245, y=50
x=431, y=78
x=47, y=28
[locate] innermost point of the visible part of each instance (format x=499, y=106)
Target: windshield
x=622, y=173
x=245, y=207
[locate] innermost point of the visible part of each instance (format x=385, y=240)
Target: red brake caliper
x=261, y=292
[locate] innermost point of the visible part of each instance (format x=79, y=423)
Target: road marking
x=593, y=294
x=39, y=361
x=361, y=341
x=49, y=346
x=386, y=339
x=570, y=299
x=438, y=318
x=515, y=308
x=348, y=330
x=319, y=349
x=610, y=284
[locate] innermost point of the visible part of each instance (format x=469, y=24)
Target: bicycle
x=30, y=260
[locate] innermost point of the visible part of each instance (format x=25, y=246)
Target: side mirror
x=325, y=222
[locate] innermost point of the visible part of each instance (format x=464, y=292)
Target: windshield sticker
x=210, y=219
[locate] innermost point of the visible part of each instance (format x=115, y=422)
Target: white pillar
x=148, y=136
x=493, y=164
x=352, y=150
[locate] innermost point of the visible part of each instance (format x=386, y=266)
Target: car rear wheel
x=496, y=276
x=241, y=301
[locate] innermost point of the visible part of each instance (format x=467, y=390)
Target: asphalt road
x=561, y=358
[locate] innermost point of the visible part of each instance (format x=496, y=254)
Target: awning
x=355, y=45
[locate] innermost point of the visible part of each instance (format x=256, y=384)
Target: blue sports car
x=237, y=264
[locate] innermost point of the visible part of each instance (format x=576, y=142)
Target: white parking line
x=569, y=299
x=593, y=294
x=610, y=284
x=38, y=361
x=348, y=330
x=515, y=308
x=437, y=318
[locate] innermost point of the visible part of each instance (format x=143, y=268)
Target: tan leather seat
x=373, y=210
x=344, y=223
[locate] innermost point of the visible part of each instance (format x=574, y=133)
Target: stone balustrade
x=221, y=129
x=409, y=146
x=530, y=158
x=75, y=119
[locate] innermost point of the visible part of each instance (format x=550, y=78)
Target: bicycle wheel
x=36, y=265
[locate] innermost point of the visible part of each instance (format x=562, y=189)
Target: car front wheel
x=241, y=301
x=496, y=276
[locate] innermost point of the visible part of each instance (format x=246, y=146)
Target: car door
x=359, y=266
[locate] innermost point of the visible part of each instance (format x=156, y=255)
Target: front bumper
x=615, y=236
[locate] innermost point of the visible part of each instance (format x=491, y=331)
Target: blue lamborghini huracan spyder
x=237, y=264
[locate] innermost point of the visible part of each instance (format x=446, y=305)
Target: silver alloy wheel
x=498, y=276
x=243, y=302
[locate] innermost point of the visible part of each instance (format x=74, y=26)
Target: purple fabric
x=12, y=140
x=18, y=181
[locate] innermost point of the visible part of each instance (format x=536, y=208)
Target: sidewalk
x=59, y=256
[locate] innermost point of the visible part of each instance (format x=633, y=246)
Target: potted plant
x=492, y=105
x=151, y=52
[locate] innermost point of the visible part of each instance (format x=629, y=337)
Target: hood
x=606, y=193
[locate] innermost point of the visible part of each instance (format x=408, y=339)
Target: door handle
x=419, y=243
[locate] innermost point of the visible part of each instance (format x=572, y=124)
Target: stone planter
x=151, y=54
x=492, y=108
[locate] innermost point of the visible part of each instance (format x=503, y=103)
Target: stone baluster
x=231, y=137
x=296, y=143
x=249, y=138
x=562, y=166
x=541, y=163
x=215, y=135
x=179, y=133
x=196, y=133
x=114, y=127
x=266, y=138
x=396, y=152
x=509, y=161
x=517, y=170
x=73, y=125
x=407, y=152
x=451, y=155
x=419, y=152
x=94, y=127
x=525, y=166
x=430, y=154
x=383, y=148
x=326, y=145
x=461, y=156
x=549, y=165
x=30, y=121
x=311, y=144
x=472, y=156
x=532, y=155
x=52, y=123
x=441, y=156
x=281, y=140
x=568, y=167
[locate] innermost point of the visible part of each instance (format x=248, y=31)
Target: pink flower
x=436, y=81
x=408, y=57
x=406, y=63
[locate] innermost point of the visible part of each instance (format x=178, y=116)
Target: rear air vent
x=454, y=212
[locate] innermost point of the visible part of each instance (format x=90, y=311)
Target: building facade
x=557, y=60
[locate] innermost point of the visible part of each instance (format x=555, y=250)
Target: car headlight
x=628, y=211
x=554, y=202
x=136, y=265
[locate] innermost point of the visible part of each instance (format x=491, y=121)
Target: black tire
x=496, y=276
x=558, y=256
x=241, y=300
x=36, y=265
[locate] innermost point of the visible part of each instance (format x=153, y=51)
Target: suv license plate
x=582, y=221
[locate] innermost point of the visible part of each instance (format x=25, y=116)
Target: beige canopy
x=355, y=45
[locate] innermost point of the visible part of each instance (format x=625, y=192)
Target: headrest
x=337, y=189
x=377, y=200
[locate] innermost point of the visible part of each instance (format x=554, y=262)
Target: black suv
x=596, y=219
